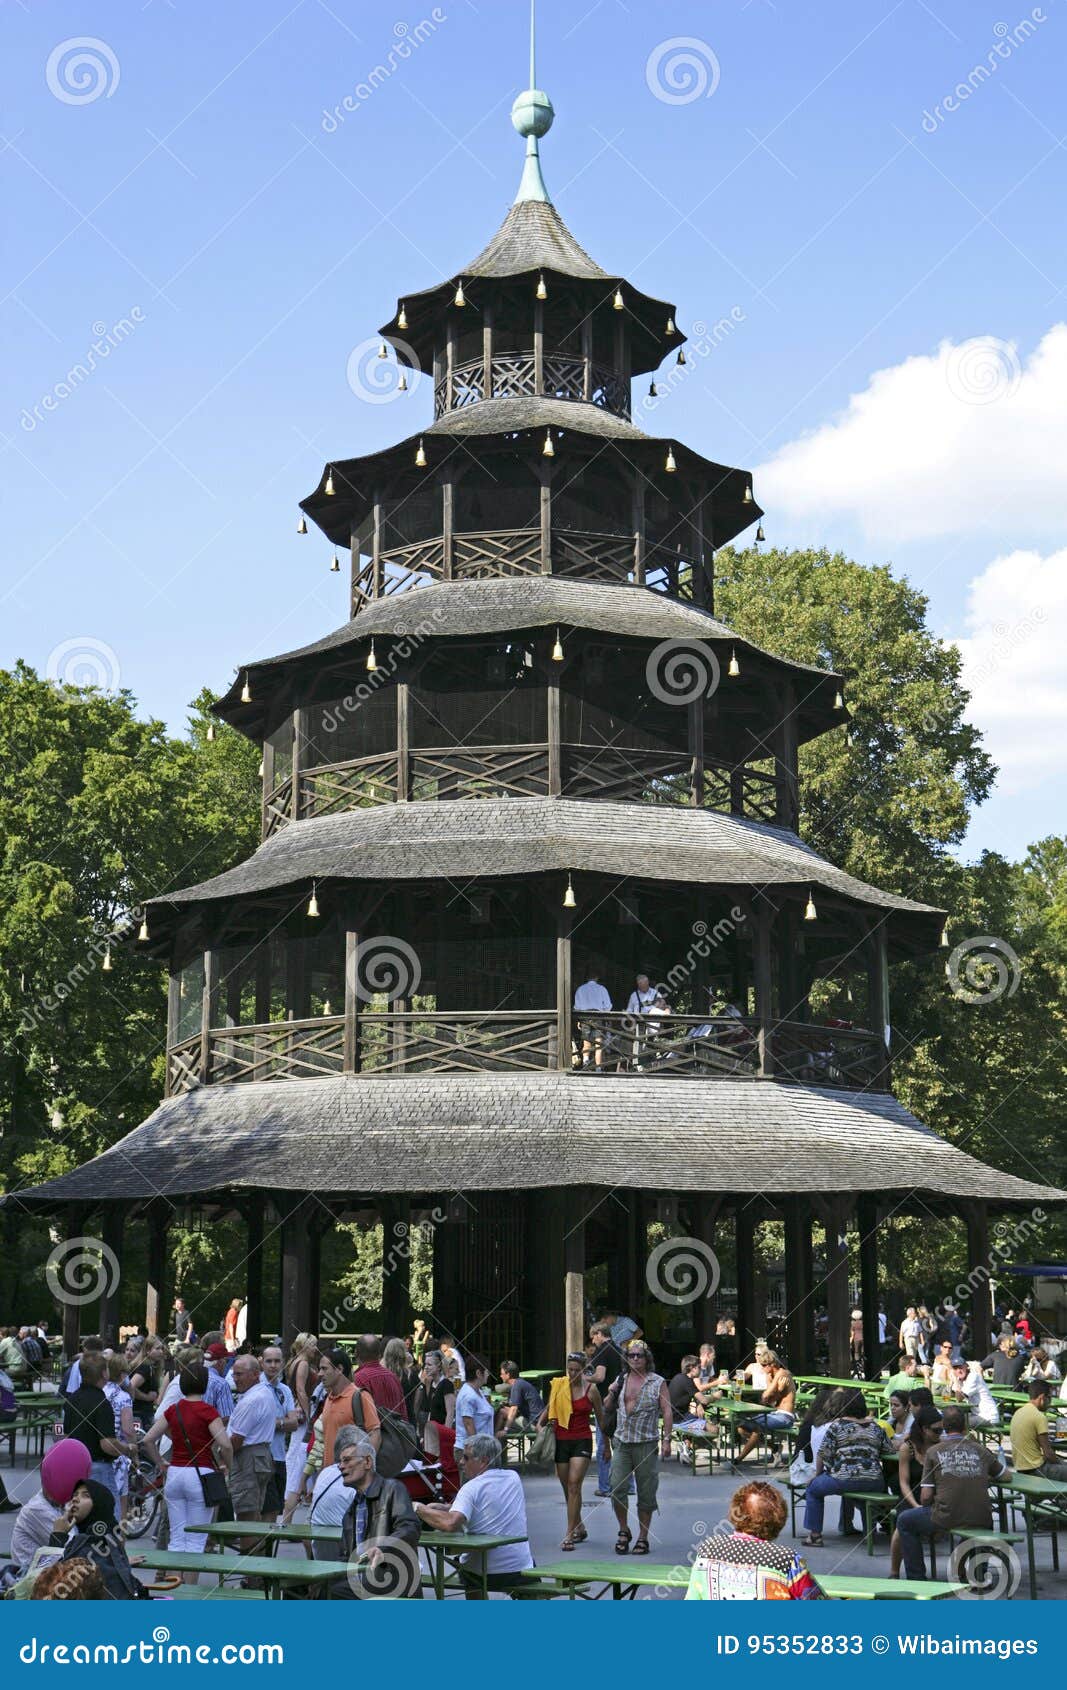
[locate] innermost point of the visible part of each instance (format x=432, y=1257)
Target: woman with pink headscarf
x=66, y=1465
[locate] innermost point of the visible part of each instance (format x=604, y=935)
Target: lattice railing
x=276, y=1050
x=730, y=1048
x=479, y=771
x=513, y=375
x=348, y=786
x=742, y=790
x=441, y=1043
x=515, y=551
x=183, y=1066
x=625, y=775
x=278, y=807
x=591, y=556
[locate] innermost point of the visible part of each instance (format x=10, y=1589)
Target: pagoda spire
x=532, y=114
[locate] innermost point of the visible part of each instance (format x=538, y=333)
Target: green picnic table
x=1042, y=1499
x=538, y=1375
x=33, y=1425
x=445, y=1549
x=264, y=1532
x=844, y=1588
x=695, y=1441
x=621, y=1577
x=274, y=1571
x=209, y=1593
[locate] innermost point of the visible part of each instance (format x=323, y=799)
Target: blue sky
x=891, y=265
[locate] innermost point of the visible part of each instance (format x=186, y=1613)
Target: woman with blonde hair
x=398, y=1360
x=301, y=1376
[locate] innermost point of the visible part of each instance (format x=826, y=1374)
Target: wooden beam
x=544, y=469
x=211, y=975
x=762, y=978
x=254, y=1269
x=979, y=1271
x=297, y=1247
x=835, y=1213
x=800, y=1308
x=351, y=1057
x=867, y=1224
x=564, y=988
x=403, y=742
x=539, y=346
x=298, y=753
x=111, y=1236
x=396, y=1266
x=878, y=990
x=448, y=522
x=704, y=1213
x=696, y=750
x=638, y=516
x=155, y=1314
x=745, y=1261
x=487, y=350
x=553, y=704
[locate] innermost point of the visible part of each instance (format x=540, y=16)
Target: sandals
x=812, y=1541
x=640, y=1547
x=579, y=1534
x=622, y=1542
x=568, y=1542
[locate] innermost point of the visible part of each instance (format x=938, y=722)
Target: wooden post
x=696, y=750
x=539, y=346
x=564, y=990
x=376, y=551
x=353, y=573
x=787, y=800
x=587, y=355
x=867, y=1223
x=254, y=1270
x=554, y=731
x=448, y=521
x=77, y=1217
x=296, y=1268
x=396, y=1266
x=979, y=1271
x=745, y=1258
x=173, y=1012
x=351, y=1056
x=700, y=595
x=838, y=1305
x=574, y=1274
x=638, y=514
x=704, y=1214
x=155, y=1313
x=544, y=473
x=487, y=351
x=298, y=756
x=211, y=975
x=878, y=990
x=800, y=1311
x=111, y=1237
x=763, y=983
x=450, y=365
x=403, y=742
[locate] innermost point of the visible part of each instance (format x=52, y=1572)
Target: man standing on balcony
x=590, y=998
x=641, y=1004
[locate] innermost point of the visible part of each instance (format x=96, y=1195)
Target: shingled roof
x=368, y=1135
x=515, y=604
x=496, y=837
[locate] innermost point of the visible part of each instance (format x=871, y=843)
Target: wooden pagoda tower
x=533, y=754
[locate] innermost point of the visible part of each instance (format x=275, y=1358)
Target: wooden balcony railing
x=577, y=554
x=513, y=375
x=520, y=1041
x=611, y=773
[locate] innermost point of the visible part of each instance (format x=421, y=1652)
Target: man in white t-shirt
x=330, y=1502
x=591, y=997
x=490, y=1503
x=968, y=1384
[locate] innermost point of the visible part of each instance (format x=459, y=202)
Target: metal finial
x=532, y=116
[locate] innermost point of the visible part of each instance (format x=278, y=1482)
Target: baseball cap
x=215, y=1352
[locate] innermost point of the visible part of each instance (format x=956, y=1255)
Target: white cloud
x=1013, y=653
x=968, y=440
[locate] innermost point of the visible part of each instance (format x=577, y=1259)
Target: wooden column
x=553, y=705
x=800, y=1308
x=696, y=750
x=396, y=1266
x=76, y=1218
x=762, y=980
x=448, y=519
x=298, y=1248
x=111, y=1236
x=564, y=988
x=638, y=513
x=700, y=595
x=878, y=989
x=155, y=1314
x=403, y=742
x=745, y=1257
x=487, y=351
x=447, y=1287
x=376, y=551
x=587, y=355
x=539, y=346
x=787, y=800
x=838, y=1304
x=558, y=1234
x=351, y=1056
x=544, y=470
x=173, y=1013
x=254, y=1269
x=355, y=595
x=450, y=365
x=867, y=1224
x=704, y=1212
x=979, y=1269
x=298, y=756
x=211, y=975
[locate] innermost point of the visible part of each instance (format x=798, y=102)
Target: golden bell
x=810, y=912
x=760, y=535
x=142, y=931
x=670, y=466
x=461, y=298
x=747, y=498
x=246, y=692
x=402, y=320
x=542, y=291
x=326, y=1010
x=570, y=902
x=262, y=768
x=944, y=937
x=402, y=384
x=302, y=526
x=618, y=300
x=682, y=359
x=653, y=391
x=557, y=649
x=335, y=567
x=383, y=350
x=329, y=487
x=372, y=661
x=106, y=964
x=670, y=326
x=734, y=668
x=420, y=457
x=313, y=904
x=839, y=703
x=210, y=735
x=548, y=450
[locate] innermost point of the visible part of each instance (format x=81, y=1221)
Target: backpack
x=398, y=1444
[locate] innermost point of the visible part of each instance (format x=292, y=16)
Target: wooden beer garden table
x=443, y=1549
x=274, y=1571
x=1041, y=1499
x=622, y=1577
x=271, y=1535
x=843, y=1588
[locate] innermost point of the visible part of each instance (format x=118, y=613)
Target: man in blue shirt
x=524, y=1406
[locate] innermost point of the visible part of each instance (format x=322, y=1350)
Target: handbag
x=213, y=1486
x=801, y=1470
x=541, y=1450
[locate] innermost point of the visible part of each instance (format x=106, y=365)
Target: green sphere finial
x=533, y=113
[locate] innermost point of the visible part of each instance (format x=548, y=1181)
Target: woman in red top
x=199, y=1441
x=572, y=1402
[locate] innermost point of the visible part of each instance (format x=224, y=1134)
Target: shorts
x=569, y=1449
x=252, y=1471
x=642, y=1461
x=771, y=1420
